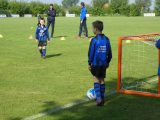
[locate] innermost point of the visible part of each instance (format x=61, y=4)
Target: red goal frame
x=132, y=92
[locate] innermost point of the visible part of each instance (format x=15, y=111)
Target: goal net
x=138, y=61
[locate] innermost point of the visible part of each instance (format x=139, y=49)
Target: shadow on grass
x=18, y=118
x=60, y=36
x=117, y=107
x=53, y=55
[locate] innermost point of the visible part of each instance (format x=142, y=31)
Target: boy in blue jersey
x=83, y=19
x=99, y=58
x=42, y=35
x=158, y=46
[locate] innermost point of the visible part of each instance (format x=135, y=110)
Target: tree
x=119, y=7
x=157, y=7
x=4, y=4
x=99, y=3
x=59, y=10
x=124, y=7
x=38, y=8
x=75, y=10
x=69, y=3
x=134, y=10
x=144, y=5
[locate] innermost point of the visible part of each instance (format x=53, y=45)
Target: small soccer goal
x=138, y=61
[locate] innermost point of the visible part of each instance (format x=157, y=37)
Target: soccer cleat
x=43, y=57
x=103, y=102
x=78, y=37
x=99, y=104
x=86, y=38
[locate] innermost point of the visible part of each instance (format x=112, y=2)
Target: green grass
x=29, y=84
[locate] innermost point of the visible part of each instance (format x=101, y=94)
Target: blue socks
x=103, y=89
x=99, y=91
x=43, y=52
x=97, y=88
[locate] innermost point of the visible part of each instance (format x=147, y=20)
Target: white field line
x=70, y=105
x=142, y=83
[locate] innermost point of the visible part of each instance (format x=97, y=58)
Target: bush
x=5, y=12
x=20, y=8
x=98, y=11
x=75, y=10
x=4, y=4
x=134, y=10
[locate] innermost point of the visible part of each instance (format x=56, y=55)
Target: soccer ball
x=91, y=94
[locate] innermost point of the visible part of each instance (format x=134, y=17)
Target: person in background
x=51, y=18
x=83, y=21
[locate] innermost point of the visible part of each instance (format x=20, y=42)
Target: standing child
x=99, y=57
x=42, y=35
x=83, y=21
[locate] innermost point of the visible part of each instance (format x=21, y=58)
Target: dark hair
x=98, y=24
x=83, y=4
x=51, y=5
x=41, y=18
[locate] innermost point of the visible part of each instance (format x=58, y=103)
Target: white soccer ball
x=91, y=94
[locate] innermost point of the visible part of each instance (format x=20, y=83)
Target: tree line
x=97, y=7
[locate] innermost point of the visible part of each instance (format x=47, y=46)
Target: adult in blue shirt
x=51, y=18
x=83, y=19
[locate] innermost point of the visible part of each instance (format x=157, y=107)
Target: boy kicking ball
x=99, y=57
x=42, y=35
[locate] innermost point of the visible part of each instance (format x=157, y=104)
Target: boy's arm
x=91, y=52
x=83, y=12
x=109, y=52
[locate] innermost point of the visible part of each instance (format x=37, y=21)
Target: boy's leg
x=80, y=29
x=103, y=89
x=85, y=28
x=40, y=50
x=44, y=51
x=97, y=87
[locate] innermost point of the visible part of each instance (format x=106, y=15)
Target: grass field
x=30, y=85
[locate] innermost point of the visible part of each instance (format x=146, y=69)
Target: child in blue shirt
x=42, y=35
x=83, y=21
x=99, y=58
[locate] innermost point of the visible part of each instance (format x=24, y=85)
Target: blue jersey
x=42, y=33
x=100, y=53
x=83, y=13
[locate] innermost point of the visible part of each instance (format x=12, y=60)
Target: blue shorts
x=42, y=43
